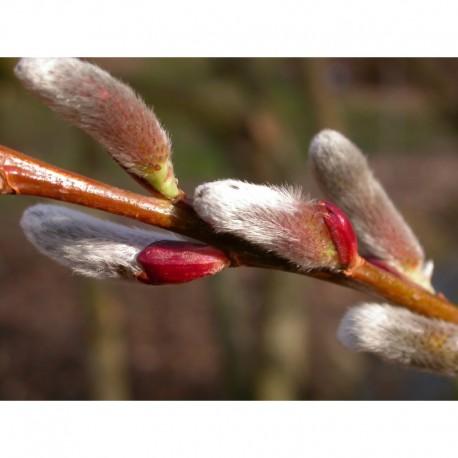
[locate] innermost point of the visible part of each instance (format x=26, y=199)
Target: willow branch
x=23, y=175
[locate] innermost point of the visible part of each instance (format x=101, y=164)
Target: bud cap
x=168, y=262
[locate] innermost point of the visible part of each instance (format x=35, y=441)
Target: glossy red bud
x=169, y=262
x=342, y=233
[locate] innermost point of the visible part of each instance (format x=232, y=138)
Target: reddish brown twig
x=20, y=174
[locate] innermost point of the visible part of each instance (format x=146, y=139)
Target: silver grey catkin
x=401, y=337
x=89, y=246
x=347, y=180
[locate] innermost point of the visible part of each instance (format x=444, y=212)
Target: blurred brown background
x=245, y=333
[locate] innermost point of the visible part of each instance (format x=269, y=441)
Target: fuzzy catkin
x=89, y=246
x=401, y=337
x=276, y=218
x=109, y=110
x=347, y=180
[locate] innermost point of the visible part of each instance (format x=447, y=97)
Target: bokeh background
x=245, y=333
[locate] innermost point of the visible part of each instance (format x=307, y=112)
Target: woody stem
x=21, y=174
x=402, y=292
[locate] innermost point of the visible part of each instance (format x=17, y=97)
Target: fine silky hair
x=402, y=337
x=108, y=110
x=89, y=246
x=278, y=219
x=347, y=180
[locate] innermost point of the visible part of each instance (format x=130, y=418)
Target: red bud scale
x=169, y=262
x=342, y=233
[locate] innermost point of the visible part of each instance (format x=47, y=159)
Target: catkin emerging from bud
x=312, y=234
x=401, y=337
x=89, y=246
x=109, y=111
x=347, y=180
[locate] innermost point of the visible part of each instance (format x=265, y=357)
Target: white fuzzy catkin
x=347, y=180
x=109, y=110
x=276, y=218
x=90, y=246
x=401, y=337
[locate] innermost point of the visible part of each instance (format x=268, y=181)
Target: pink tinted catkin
x=107, y=109
x=310, y=233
